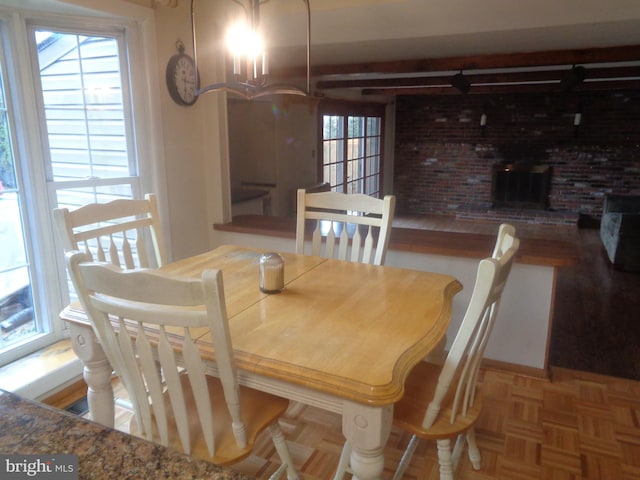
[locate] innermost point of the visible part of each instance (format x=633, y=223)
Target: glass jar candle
x=271, y=273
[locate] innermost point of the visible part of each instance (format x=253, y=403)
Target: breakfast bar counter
x=533, y=251
x=31, y=428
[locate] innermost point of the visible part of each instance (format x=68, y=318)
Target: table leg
x=367, y=430
x=97, y=373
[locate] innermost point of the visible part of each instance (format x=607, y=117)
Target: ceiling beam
x=481, y=78
x=501, y=89
x=472, y=62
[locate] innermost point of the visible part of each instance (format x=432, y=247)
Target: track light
x=460, y=83
x=577, y=119
x=573, y=78
x=483, y=121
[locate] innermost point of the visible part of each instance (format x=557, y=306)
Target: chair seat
x=410, y=410
x=260, y=410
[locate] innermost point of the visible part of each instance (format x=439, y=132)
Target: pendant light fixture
x=250, y=57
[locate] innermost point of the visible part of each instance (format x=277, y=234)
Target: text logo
x=50, y=467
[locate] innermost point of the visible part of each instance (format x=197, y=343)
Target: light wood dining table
x=341, y=336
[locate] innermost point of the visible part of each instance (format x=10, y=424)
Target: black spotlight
x=573, y=78
x=460, y=83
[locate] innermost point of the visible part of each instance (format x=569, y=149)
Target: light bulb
x=242, y=41
x=235, y=38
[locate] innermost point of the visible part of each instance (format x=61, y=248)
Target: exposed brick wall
x=444, y=159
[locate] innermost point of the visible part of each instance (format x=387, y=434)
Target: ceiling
x=393, y=47
x=416, y=46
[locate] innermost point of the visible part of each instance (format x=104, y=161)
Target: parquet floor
x=573, y=426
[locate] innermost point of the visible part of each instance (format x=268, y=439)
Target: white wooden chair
x=117, y=232
x=504, y=241
x=177, y=405
x=354, y=227
x=442, y=402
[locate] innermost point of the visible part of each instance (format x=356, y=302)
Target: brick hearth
x=537, y=217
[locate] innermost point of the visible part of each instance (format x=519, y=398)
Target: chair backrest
x=504, y=240
x=353, y=227
x=460, y=369
x=117, y=232
x=119, y=302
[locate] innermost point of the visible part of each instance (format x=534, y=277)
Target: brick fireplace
x=446, y=162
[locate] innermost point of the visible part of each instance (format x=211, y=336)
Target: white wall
x=195, y=137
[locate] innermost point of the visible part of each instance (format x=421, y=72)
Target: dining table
x=341, y=336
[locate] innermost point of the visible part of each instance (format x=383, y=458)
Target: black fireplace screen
x=521, y=186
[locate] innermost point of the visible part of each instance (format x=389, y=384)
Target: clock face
x=181, y=79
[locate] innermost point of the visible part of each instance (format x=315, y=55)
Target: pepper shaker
x=271, y=273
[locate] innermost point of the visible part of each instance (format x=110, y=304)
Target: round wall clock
x=181, y=77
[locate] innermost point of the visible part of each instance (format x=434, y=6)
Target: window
x=86, y=118
x=17, y=318
x=74, y=144
x=351, y=157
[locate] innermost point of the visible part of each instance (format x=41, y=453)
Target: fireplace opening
x=521, y=186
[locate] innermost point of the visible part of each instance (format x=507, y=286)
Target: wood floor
x=597, y=314
x=573, y=426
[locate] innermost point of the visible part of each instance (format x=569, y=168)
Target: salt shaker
x=271, y=273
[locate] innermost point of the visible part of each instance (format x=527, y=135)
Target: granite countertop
x=31, y=428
